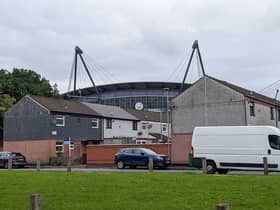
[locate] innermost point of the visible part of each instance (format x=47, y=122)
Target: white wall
x=120, y=128
x=150, y=127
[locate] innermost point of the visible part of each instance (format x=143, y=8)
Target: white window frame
x=60, y=117
x=61, y=145
x=109, y=123
x=97, y=123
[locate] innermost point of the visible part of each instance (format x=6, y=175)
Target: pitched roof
x=248, y=93
x=110, y=111
x=159, y=136
x=148, y=116
x=64, y=106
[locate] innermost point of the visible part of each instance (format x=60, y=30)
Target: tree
x=6, y=102
x=22, y=82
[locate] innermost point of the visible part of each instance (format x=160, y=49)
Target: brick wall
x=105, y=154
x=181, y=146
x=43, y=150
x=33, y=150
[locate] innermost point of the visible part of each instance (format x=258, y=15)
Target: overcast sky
x=143, y=40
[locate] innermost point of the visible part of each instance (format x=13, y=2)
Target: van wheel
x=222, y=171
x=211, y=167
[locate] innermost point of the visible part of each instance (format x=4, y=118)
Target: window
x=144, y=126
x=164, y=128
x=109, y=123
x=59, y=120
x=71, y=146
x=271, y=113
x=134, y=125
x=59, y=147
x=150, y=126
x=128, y=150
x=274, y=141
x=278, y=114
x=94, y=123
x=252, y=108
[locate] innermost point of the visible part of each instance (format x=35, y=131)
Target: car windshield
x=149, y=152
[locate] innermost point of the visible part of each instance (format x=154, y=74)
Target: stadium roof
x=130, y=85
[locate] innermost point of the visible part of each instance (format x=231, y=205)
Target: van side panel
x=236, y=147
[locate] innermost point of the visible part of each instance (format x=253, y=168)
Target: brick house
x=212, y=102
x=37, y=126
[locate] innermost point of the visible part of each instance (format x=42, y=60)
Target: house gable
x=207, y=103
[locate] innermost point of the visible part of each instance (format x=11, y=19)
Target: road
x=141, y=170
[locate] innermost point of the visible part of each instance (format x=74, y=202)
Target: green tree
x=6, y=102
x=21, y=82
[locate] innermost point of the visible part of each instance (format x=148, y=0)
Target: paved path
x=142, y=170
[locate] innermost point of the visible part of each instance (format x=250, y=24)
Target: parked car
x=134, y=157
x=18, y=160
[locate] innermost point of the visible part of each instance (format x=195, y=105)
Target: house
x=37, y=127
x=152, y=126
x=212, y=102
x=118, y=126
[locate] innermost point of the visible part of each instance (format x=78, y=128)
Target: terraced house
x=212, y=102
x=37, y=127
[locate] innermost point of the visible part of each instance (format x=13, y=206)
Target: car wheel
x=211, y=167
x=222, y=171
x=120, y=164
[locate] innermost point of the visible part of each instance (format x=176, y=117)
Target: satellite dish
x=139, y=106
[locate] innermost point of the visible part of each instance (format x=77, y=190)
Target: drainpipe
x=245, y=111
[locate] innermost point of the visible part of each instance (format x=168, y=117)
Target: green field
x=82, y=191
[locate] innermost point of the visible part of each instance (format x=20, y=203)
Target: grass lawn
x=82, y=191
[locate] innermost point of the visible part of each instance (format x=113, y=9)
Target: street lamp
x=168, y=121
x=276, y=109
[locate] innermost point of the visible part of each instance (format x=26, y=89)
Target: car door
x=129, y=157
x=140, y=157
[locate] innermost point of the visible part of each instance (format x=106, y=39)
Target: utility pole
x=168, y=121
x=160, y=119
x=276, y=109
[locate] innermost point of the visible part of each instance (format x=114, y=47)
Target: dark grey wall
x=27, y=120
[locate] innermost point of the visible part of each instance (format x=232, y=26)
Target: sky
x=147, y=40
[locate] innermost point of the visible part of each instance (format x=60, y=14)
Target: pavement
x=112, y=168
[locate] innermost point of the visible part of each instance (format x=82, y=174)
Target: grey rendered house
x=37, y=127
x=212, y=102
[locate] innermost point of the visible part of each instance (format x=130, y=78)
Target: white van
x=236, y=147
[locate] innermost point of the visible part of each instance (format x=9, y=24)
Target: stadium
x=148, y=96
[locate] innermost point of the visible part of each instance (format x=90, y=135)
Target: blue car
x=133, y=157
